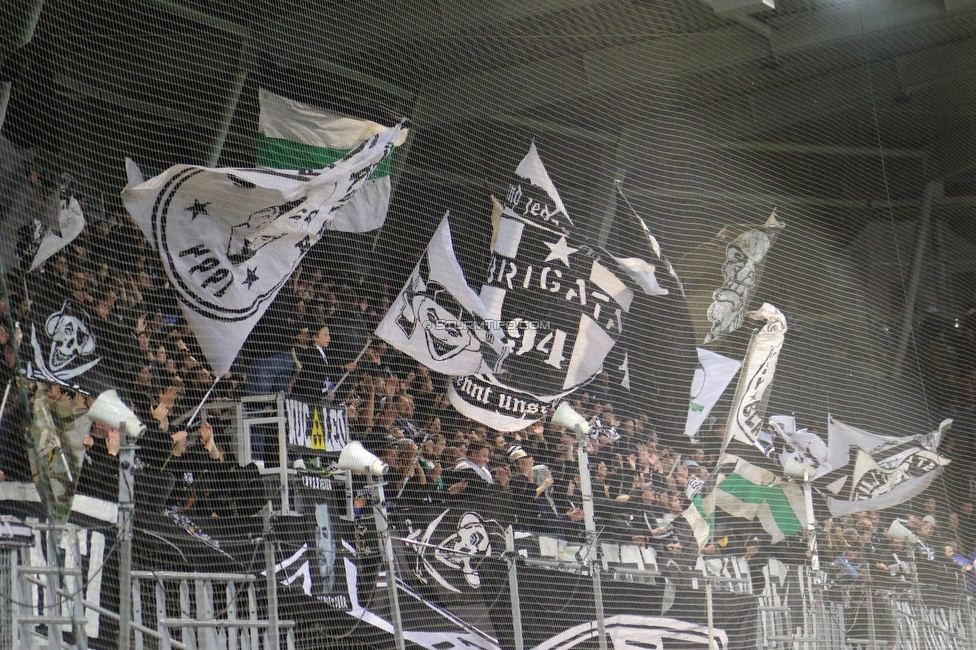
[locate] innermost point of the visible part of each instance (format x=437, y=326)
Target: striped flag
x=752, y=493
x=293, y=135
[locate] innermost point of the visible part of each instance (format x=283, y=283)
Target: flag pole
x=811, y=523
x=6, y=396
x=589, y=524
x=202, y=402
x=355, y=363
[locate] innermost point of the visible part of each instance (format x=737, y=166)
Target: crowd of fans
x=314, y=344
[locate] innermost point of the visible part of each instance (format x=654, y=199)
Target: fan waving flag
x=438, y=319
x=230, y=238
x=294, y=135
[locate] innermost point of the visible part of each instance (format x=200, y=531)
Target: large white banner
x=229, y=238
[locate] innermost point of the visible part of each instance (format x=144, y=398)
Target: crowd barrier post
x=127, y=456
x=591, y=556
x=386, y=548
x=273, y=641
x=512, y=558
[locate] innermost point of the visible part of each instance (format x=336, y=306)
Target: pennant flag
x=230, y=238
x=298, y=136
x=712, y=377
x=885, y=473
x=561, y=303
x=438, y=319
x=749, y=405
x=47, y=241
x=720, y=276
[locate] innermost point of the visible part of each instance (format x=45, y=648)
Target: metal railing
x=214, y=611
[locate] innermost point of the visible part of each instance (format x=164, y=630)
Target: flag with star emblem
x=294, y=135
x=560, y=302
x=229, y=238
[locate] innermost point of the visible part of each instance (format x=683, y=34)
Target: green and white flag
x=750, y=492
x=293, y=135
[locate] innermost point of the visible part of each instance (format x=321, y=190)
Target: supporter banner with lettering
x=315, y=427
x=230, y=238
x=560, y=302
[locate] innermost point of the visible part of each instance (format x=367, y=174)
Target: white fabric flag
x=532, y=169
x=712, y=377
x=295, y=135
x=71, y=222
x=749, y=405
x=888, y=470
x=438, y=319
x=842, y=438
x=230, y=238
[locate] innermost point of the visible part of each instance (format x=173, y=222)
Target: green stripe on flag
x=773, y=496
x=285, y=154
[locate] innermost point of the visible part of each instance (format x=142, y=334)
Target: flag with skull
x=721, y=276
x=63, y=347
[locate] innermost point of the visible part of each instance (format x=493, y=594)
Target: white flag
x=438, y=319
x=71, y=222
x=294, y=135
x=749, y=405
x=230, y=238
x=891, y=472
x=712, y=377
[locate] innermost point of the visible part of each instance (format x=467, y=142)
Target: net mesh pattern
x=850, y=120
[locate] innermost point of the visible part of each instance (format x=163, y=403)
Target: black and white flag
x=886, y=471
x=230, y=238
x=560, y=303
x=48, y=241
x=438, y=319
x=721, y=276
x=64, y=348
x=748, y=411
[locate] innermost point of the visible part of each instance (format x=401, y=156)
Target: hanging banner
x=316, y=427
